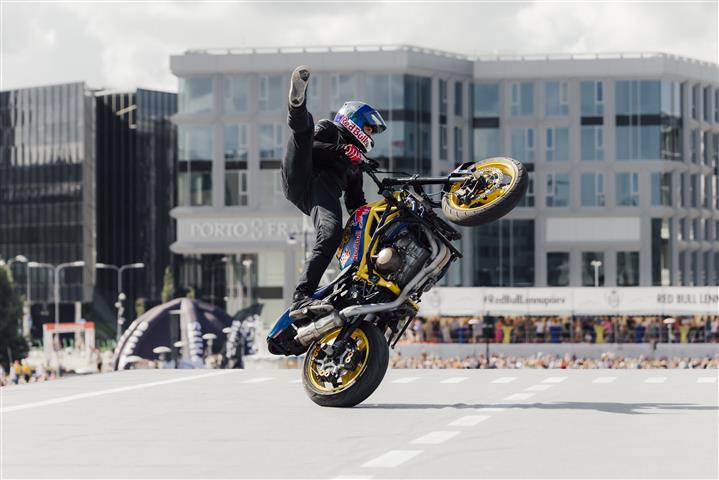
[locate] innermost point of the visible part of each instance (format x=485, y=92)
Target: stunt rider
x=320, y=164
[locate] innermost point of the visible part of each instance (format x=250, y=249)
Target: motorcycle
x=393, y=250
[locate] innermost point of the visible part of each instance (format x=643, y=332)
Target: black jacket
x=329, y=160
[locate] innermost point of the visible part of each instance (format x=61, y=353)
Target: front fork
x=336, y=349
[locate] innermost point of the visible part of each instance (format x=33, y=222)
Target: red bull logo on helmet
x=356, y=131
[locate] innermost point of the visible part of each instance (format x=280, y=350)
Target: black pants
x=313, y=195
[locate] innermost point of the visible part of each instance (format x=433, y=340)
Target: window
x=194, y=155
x=705, y=148
x=693, y=191
x=523, y=144
x=486, y=143
x=557, y=140
x=270, y=188
x=458, y=99
x=681, y=193
x=627, y=269
x=557, y=269
x=682, y=230
x=195, y=95
x=592, y=189
x=592, y=98
x=458, y=149
x=272, y=95
x=592, y=143
x=556, y=98
x=236, y=151
x=442, y=97
x=270, y=140
x=695, y=101
x=661, y=189
x=715, y=151
x=528, y=199
x=627, y=189
x=384, y=92
x=638, y=142
x=522, y=99
x=694, y=145
x=236, y=94
x=592, y=269
x=505, y=254
x=708, y=192
x=342, y=89
x=638, y=97
x=716, y=120
x=706, y=114
x=557, y=190
x=443, y=142
x=486, y=100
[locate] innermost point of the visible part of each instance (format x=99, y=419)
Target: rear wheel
x=498, y=185
x=354, y=376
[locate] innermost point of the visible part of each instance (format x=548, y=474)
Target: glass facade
x=47, y=169
x=504, y=254
x=627, y=189
x=273, y=95
x=522, y=99
x=592, y=98
x=557, y=144
x=556, y=98
x=592, y=190
x=486, y=100
x=648, y=119
x=627, y=269
x=236, y=153
x=557, y=190
x=195, y=95
x=661, y=184
x=523, y=144
x=661, y=252
x=236, y=94
x=558, y=269
x=592, y=140
x=194, y=156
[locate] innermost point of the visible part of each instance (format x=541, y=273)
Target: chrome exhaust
x=313, y=331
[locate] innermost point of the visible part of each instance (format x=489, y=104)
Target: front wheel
x=351, y=378
x=496, y=186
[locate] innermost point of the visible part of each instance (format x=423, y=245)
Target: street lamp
x=78, y=263
x=121, y=297
x=25, y=328
x=596, y=264
x=248, y=266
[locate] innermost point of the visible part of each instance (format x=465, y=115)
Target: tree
x=168, y=286
x=12, y=345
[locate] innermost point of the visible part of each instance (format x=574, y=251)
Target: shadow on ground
x=608, y=407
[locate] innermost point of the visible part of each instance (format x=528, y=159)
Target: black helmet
x=353, y=117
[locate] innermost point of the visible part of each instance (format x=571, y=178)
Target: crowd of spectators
x=21, y=372
x=540, y=360
x=565, y=329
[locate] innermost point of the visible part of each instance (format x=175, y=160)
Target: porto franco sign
x=223, y=230
x=571, y=301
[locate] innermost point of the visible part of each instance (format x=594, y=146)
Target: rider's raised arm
x=354, y=195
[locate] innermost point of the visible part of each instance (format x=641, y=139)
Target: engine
x=402, y=259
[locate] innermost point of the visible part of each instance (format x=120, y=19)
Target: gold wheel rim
x=479, y=200
x=324, y=386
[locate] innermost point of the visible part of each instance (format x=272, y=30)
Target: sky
x=125, y=45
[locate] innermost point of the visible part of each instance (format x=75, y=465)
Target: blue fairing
x=353, y=247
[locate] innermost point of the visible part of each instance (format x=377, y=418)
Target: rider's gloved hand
x=353, y=154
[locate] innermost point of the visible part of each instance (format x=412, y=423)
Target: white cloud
x=127, y=45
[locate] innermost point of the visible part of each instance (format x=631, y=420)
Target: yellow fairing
x=375, y=215
x=489, y=195
x=318, y=379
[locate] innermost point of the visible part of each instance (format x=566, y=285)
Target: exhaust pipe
x=313, y=331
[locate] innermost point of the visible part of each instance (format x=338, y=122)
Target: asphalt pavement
x=419, y=424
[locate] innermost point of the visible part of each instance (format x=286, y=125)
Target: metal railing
x=442, y=53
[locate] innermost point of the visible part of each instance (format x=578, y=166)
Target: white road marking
x=258, y=380
x=707, y=380
x=434, y=438
x=604, y=380
x=469, y=421
x=111, y=390
x=393, y=458
x=655, y=380
x=539, y=388
x=503, y=380
x=405, y=380
x=520, y=396
x=454, y=380
x=554, y=380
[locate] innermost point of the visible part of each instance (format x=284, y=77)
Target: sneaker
x=308, y=307
x=298, y=85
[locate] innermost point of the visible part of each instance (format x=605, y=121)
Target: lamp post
x=78, y=263
x=596, y=264
x=247, y=263
x=121, y=297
